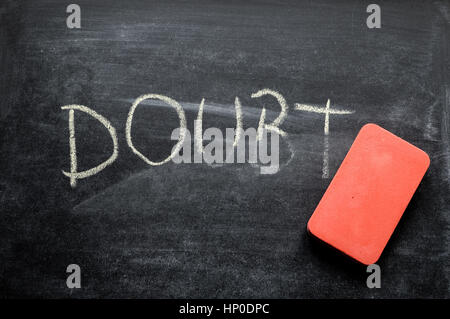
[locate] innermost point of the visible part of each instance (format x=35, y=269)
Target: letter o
x=181, y=116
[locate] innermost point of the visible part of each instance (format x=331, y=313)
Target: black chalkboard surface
x=213, y=231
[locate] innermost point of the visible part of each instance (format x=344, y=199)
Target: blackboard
x=207, y=231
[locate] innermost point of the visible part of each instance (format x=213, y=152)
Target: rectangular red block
x=369, y=193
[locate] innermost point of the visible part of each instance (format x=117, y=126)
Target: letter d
x=74, y=175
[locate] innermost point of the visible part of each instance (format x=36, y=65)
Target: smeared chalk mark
x=181, y=117
x=226, y=110
x=74, y=175
x=443, y=9
x=430, y=129
x=445, y=127
x=325, y=169
x=247, y=111
x=326, y=128
x=291, y=151
x=73, y=148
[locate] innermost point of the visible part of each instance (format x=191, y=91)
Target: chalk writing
x=326, y=129
x=74, y=175
x=214, y=149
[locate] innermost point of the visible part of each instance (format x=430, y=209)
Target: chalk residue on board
x=74, y=175
x=326, y=129
x=72, y=147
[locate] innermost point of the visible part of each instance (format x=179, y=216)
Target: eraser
x=369, y=193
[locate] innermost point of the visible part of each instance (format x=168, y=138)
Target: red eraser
x=369, y=193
